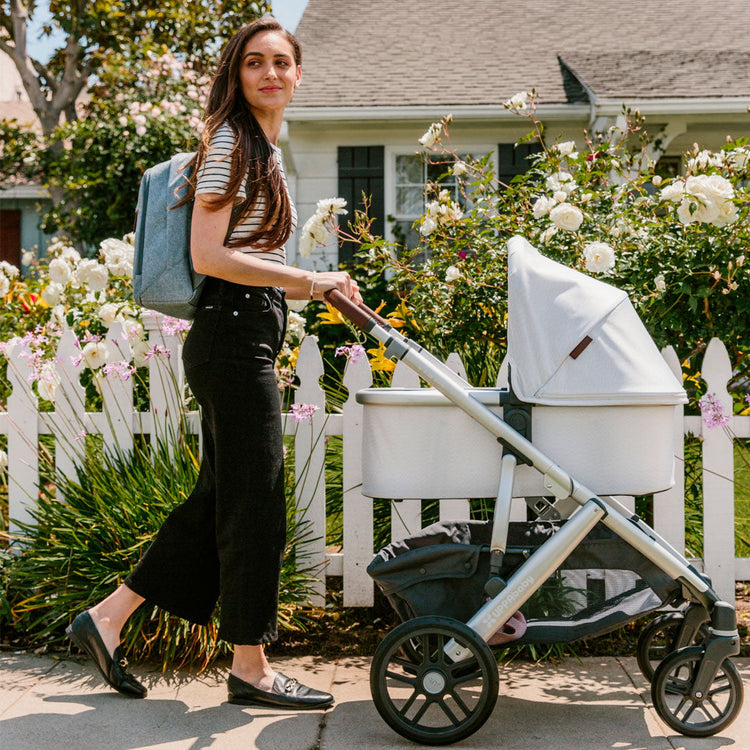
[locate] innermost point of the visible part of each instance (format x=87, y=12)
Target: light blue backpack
x=163, y=275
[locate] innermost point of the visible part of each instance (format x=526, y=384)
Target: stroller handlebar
x=361, y=315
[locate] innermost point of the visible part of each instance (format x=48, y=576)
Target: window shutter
x=10, y=236
x=513, y=160
x=361, y=170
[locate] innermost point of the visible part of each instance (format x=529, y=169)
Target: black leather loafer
x=285, y=693
x=82, y=631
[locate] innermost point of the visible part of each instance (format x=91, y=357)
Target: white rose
x=70, y=254
x=58, y=312
x=561, y=181
x=84, y=267
x=560, y=196
x=59, y=271
x=4, y=285
x=599, y=257
x=98, y=278
x=429, y=225
x=431, y=137
x=673, y=192
x=52, y=294
x=459, y=168
x=519, y=101
x=566, y=216
x=738, y=158
x=542, y=206
x=660, y=284
x=306, y=245
x=567, y=148
x=3, y=460
x=28, y=258
x=95, y=354
x=108, y=313
x=548, y=234
x=8, y=269
x=726, y=213
x=452, y=273
x=140, y=350
x=332, y=206
x=296, y=305
x=296, y=325
x=46, y=385
x=133, y=330
x=656, y=180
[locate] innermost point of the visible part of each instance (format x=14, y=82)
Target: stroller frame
x=583, y=508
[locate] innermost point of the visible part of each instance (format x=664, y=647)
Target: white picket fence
x=118, y=422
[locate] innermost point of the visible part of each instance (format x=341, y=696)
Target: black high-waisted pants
x=226, y=541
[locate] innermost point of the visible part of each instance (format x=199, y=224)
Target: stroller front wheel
x=427, y=697
x=687, y=711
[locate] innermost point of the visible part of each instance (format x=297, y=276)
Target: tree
x=108, y=43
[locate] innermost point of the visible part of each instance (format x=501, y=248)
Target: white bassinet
x=603, y=399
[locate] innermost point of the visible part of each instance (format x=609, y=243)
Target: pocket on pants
x=200, y=342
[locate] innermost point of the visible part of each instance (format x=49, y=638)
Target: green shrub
x=88, y=534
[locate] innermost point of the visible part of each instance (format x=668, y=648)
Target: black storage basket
x=442, y=570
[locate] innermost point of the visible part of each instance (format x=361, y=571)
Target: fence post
x=68, y=419
x=718, y=477
x=23, y=441
x=669, y=506
x=310, y=474
x=358, y=514
x=406, y=515
x=165, y=379
x=117, y=395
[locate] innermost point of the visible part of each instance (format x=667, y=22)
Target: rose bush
x=677, y=244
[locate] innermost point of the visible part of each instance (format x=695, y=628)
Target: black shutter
x=513, y=160
x=361, y=170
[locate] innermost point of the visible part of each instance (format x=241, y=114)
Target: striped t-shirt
x=213, y=177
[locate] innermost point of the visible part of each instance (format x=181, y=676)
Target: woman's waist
x=219, y=292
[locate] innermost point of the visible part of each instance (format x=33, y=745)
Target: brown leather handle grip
x=360, y=315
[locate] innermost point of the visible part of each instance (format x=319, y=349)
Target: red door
x=10, y=236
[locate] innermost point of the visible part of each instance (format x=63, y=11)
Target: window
x=410, y=176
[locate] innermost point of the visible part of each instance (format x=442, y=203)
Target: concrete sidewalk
x=593, y=704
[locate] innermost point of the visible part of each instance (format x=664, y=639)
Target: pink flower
x=303, y=412
x=352, y=353
x=173, y=326
x=155, y=351
x=712, y=411
x=122, y=368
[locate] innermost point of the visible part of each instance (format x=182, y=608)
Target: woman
x=226, y=541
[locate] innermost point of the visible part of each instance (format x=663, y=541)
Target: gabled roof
x=412, y=53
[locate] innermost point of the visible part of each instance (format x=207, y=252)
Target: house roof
x=412, y=53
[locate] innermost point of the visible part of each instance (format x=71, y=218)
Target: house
x=376, y=74
x=20, y=200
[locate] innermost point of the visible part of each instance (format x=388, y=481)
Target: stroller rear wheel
x=686, y=711
x=661, y=637
x=428, y=697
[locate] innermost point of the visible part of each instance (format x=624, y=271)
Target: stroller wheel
x=428, y=697
x=661, y=637
x=690, y=714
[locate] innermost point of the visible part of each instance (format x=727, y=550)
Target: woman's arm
x=211, y=257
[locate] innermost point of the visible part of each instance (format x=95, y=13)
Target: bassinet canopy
x=575, y=340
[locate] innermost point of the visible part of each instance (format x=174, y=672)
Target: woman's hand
x=327, y=280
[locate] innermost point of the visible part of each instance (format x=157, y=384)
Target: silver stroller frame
x=707, y=667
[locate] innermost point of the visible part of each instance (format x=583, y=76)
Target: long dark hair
x=252, y=156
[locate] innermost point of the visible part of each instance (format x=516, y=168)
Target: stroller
x=588, y=413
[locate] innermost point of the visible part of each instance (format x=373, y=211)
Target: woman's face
x=268, y=72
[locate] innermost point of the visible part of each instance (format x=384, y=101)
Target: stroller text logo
x=509, y=595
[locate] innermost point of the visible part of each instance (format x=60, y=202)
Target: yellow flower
x=378, y=360
x=399, y=316
x=332, y=317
